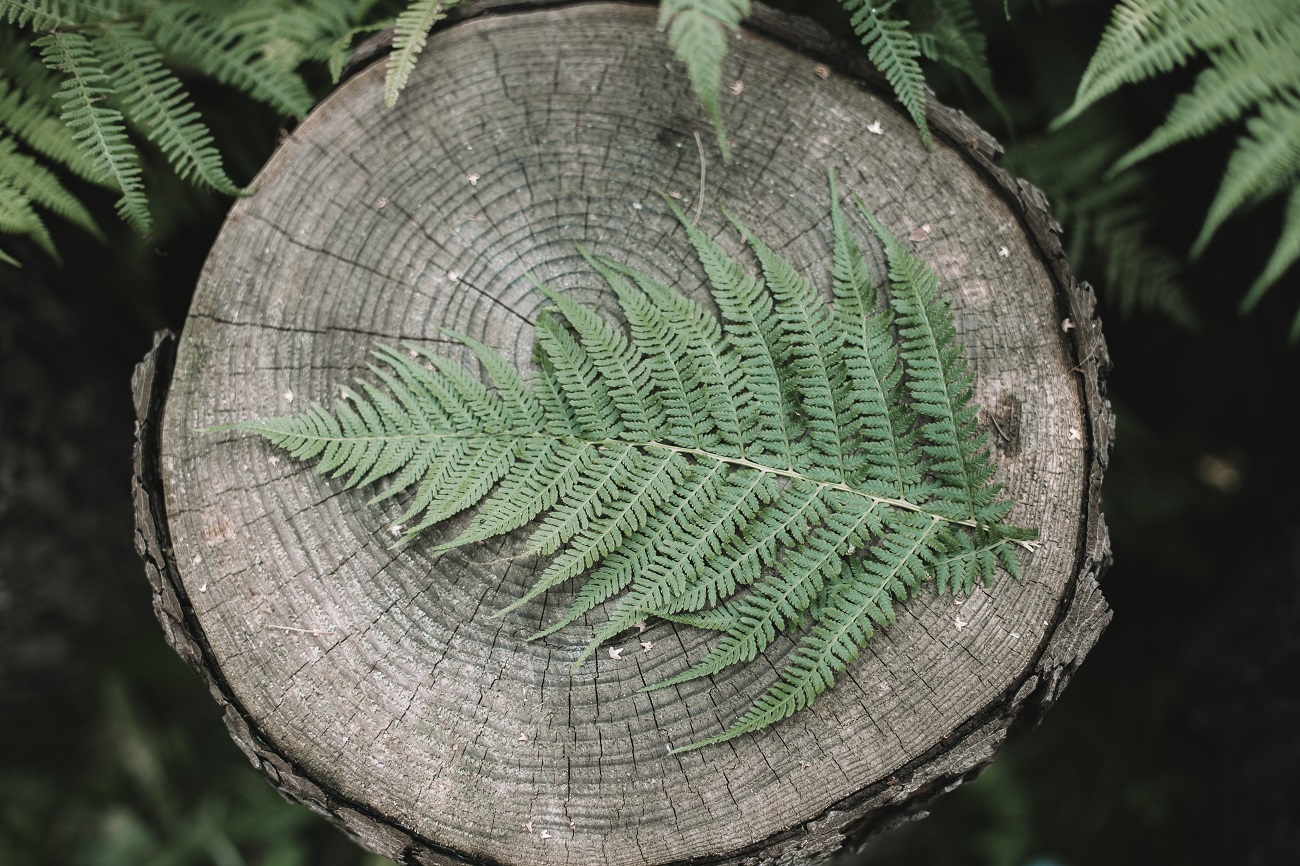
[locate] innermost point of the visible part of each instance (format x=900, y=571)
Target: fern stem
x=649, y=445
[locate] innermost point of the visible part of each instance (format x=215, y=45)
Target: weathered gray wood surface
x=377, y=686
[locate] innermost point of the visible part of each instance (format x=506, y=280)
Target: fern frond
x=340, y=50
x=939, y=383
x=1250, y=45
x=1103, y=216
x=955, y=38
x=860, y=603
x=1241, y=76
x=768, y=426
x=411, y=32
x=99, y=130
x=881, y=420
x=632, y=457
x=19, y=218
x=153, y=98
x=27, y=90
x=893, y=49
x=1154, y=37
x=698, y=31
x=45, y=15
x=1284, y=255
x=1265, y=161
x=40, y=185
x=809, y=349
x=193, y=32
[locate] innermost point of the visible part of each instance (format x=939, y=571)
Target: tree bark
x=377, y=686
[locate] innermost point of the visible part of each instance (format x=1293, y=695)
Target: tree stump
x=375, y=685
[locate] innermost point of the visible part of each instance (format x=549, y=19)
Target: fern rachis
x=683, y=470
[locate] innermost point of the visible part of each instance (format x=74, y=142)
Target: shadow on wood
x=375, y=685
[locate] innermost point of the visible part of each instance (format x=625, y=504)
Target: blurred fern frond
x=1104, y=217
x=1252, y=72
x=697, y=31
x=83, y=83
x=411, y=31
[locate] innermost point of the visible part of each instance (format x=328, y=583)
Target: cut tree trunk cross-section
x=375, y=684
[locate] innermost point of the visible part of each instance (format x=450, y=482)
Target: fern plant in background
x=93, y=78
x=1105, y=217
x=1253, y=71
x=96, y=76
x=791, y=467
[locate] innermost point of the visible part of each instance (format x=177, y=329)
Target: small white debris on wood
x=822, y=71
x=616, y=653
x=198, y=559
x=273, y=459
x=1004, y=252
x=523, y=738
x=1076, y=435
x=453, y=276
x=1067, y=325
x=204, y=587
x=569, y=822
x=636, y=205
x=381, y=201
x=647, y=645
x=803, y=764
x=1015, y=635
x=738, y=87
x=921, y=233
x=472, y=177
x=288, y=396
x=544, y=835
x=396, y=529
x=674, y=194
x=960, y=623
x=639, y=625
x=876, y=129
x=528, y=825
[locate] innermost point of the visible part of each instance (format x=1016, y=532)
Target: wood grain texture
x=377, y=686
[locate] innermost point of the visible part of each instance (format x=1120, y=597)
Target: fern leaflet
x=783, y=467
x=697, y=31
x=893, y=49
x=153, y=98
x=100, y=130
x=411, y=32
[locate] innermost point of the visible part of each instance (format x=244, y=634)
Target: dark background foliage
x=1176, y=742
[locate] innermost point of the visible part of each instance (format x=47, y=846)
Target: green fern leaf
x=1150, y=37
x=1243, y=75
x=779, y=468
x=19, y=218
x=893, y=49
x=1250, y=45
x=1284, y=255
x=153, y=98
x=955, y=38
x=27, y=91
x=698, y=31
x=192, y=32
x=411, y=32
x=31, y=179
x=99, y=130
x=43, y=15
x=1266, y=160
